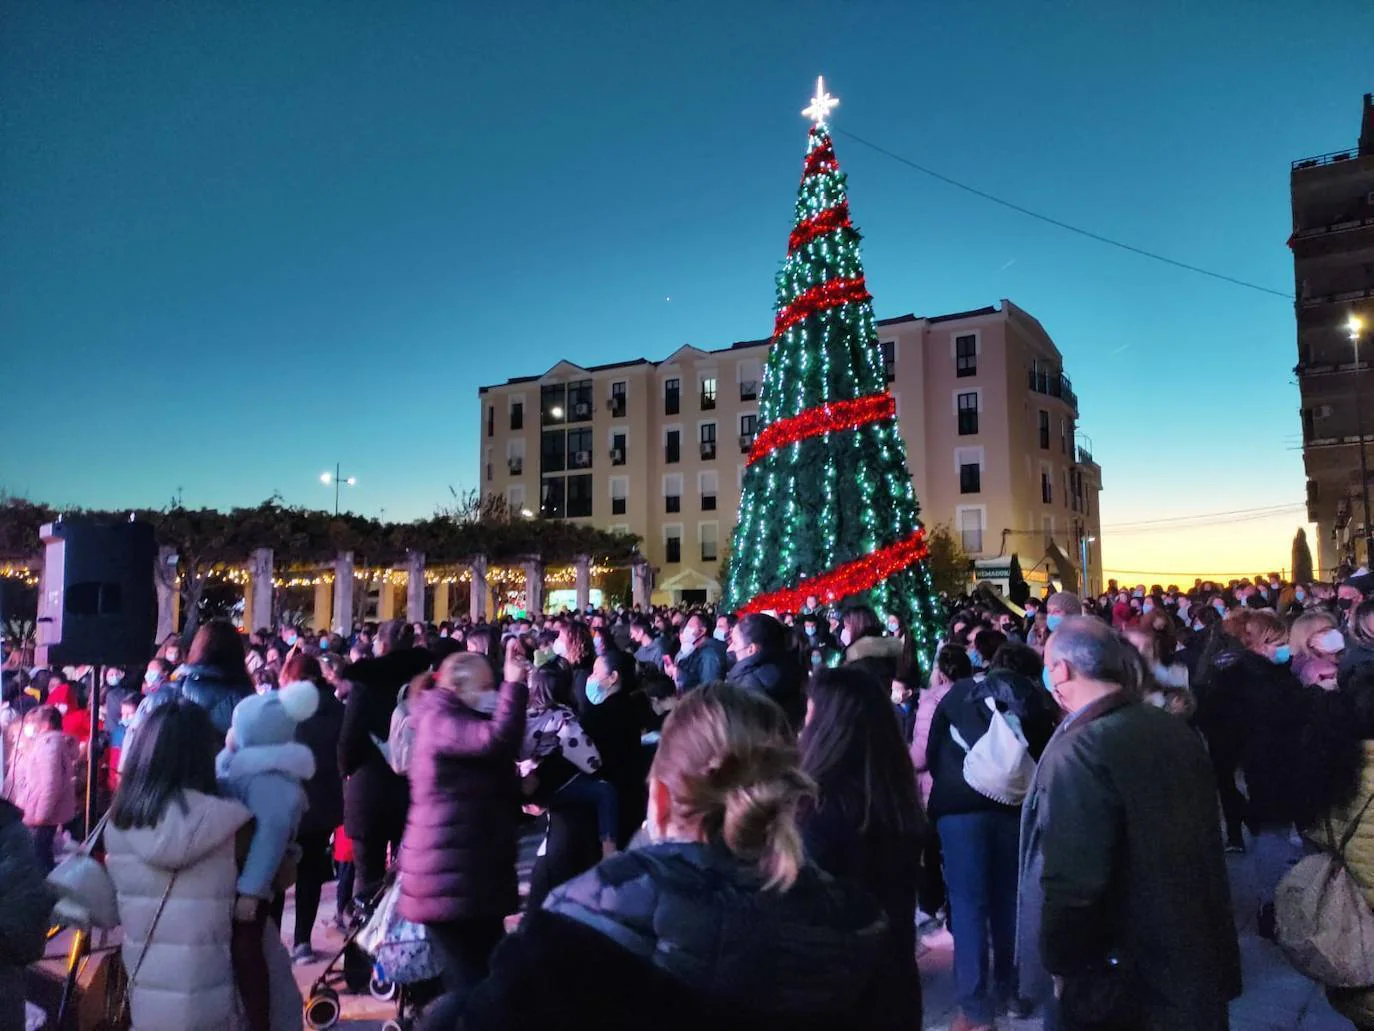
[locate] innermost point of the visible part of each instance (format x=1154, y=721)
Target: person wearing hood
x=26, y=903
x=458, y=855
x=43, y=779
x=265, y=768
x=721, y=923
x=375, y=796
x=169, y=849
x=700, y=658
x=763, y=663
x=861, y=636
x=979, y=835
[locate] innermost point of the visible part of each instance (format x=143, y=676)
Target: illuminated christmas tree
x=827, y=508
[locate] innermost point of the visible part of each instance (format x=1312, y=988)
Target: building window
x=968, y=414
x=517, y=415
x=672, y=493
x=708, y=393
x=491, y=420
x=889, y=360
x=553, y=404
x=620, y=492
x=747, y=425
x=580, y=400
x=580, y=449
x=1064, y=436
x=710, y=545
x=971, y=530
x=1044, y=430
x=618, y=449
x=1046, y=485
x=672, y=540
x=672, y=446
x=749, y=376
x=515, y=456
x=672, y=397
x=515, y=498
x=1047, y=529
x=618, y=389
x=552, y=451
x=1068, y=492
x=491, y=472
x=707, y=483
x=966, y=355
x=579, y=496
x=708, y=440
x=1312, y=492
x=552, y=504
x=970, y=478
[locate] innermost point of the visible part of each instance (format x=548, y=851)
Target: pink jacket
x=926, y=702
x=43, y=780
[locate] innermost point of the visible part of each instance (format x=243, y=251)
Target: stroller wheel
x=322, y=1009
x=382, y=989
x=396, y=1025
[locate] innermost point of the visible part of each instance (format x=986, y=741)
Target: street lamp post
x=337, y=478
x=1355, y=325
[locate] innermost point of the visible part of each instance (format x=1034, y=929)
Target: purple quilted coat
x=458, y=853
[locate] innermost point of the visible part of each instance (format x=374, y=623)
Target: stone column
x=583, y=566
x=258, y=608
x=324, y=605
x=415, y=586
x=534, y=585
x=442, y=604
x=477, y=604
x=342, y=616
x=641, y=583
x=168, y=597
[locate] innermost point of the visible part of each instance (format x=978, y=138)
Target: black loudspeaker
x=96, y=603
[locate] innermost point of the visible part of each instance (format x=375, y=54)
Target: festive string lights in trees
x=827, y=508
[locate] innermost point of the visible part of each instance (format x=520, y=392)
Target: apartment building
x=657, y=448
x=1333, y=269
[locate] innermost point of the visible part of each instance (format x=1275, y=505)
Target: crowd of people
x=748, y=822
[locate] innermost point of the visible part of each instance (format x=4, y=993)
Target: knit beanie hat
x=271, y=718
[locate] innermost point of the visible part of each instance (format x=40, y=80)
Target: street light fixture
x=337, y=479
x=1355, y=326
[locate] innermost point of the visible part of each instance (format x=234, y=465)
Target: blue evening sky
x=241, y=242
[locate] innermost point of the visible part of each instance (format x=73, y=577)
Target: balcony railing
x=1321, y=160
x=1053, y=384
x=1337, y=298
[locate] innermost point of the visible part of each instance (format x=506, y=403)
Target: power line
x=1167, y=574
x=1062, y=225
x=1261, y=511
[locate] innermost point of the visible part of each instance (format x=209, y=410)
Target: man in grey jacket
x=1125, y=910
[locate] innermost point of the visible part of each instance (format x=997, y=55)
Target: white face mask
x=151, y=677
x=846, y=637
x=1330, y=641
x=113, y=677
x=560, y=649
x=173, y=654
x=897, y=693
x=721, y=635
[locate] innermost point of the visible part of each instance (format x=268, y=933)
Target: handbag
x=999, y=765
x=400, y=950
x=85, y=891
x=1325, y=926
x=1106, y=998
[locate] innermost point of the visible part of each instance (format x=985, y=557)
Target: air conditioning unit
x=516, y=465
x=746, y=442
x=582, y=459
x=708, y=449
x=616, y=405
x=617, y=456
x=582, y=410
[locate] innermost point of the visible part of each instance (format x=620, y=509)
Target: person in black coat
x=866, y=822
x=614, y=719
x=324, y=794
x=721, y=924
x=979, y=836
x=763, y=663
x=375, y=797
x=700, y=660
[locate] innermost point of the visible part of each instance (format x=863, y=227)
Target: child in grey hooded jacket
x=265, y=768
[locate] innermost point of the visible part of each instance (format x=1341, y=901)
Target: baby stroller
x=382, y=955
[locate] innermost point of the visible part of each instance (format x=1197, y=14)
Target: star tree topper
x=821, y=104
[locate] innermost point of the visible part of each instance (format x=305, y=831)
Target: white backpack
x=400, y=739
x=999, y=766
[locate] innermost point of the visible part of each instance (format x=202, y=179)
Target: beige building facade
x=658, y=448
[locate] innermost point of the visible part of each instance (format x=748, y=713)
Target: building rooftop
x=896, y=320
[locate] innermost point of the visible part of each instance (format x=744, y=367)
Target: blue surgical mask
x=815, y=658
x=1053, y=620
x=290, y=639
x=596, y=690
x=810, y=630
x=1045, y=679
x=893, y=626
x=1220, y=606
x=1300, y=594
x=1282, y=654
x=1149, y=606
x=976, y=658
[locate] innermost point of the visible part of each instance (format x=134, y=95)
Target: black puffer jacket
x=965, y=708
x=777, y=676
x=25, y=904
x=324, y=791
x=684, y=936
x=210, y=687
x=375, y=798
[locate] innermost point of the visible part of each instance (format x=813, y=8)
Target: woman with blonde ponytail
x=721, y=922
